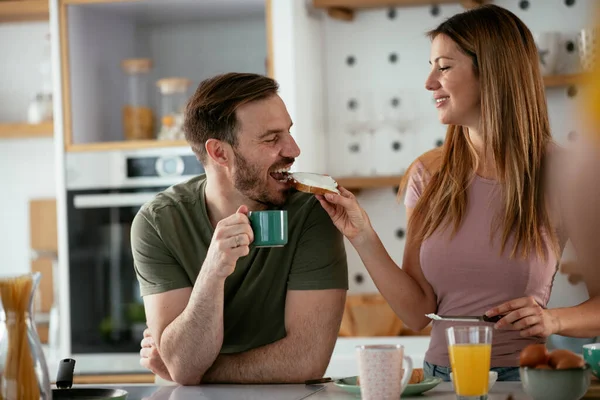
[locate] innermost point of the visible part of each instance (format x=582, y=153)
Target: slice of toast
x=313, y=183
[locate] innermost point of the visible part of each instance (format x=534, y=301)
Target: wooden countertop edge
x=113, y=378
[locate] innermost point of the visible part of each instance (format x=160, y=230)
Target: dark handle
x=64, y=377
x=492, y=319
x=317, y=381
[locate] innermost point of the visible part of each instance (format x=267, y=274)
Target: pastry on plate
x=417, y=376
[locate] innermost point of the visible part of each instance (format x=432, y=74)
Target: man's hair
x=210, y=112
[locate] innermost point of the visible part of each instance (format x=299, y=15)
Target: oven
x=105, y=190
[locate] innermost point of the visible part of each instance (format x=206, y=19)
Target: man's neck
x=222, y=200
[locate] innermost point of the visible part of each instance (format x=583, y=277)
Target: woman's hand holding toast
x=347, y=215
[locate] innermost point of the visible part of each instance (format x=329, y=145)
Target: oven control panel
x=133, y=169
x=168, y=165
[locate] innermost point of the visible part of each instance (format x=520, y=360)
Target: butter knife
x=482, y=318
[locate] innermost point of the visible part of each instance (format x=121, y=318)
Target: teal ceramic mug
x=270, y=228
x=591, y=355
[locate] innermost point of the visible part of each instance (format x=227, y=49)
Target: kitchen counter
x=215, y=392
x=444, y=391
x=115, y=368
x=343, y=361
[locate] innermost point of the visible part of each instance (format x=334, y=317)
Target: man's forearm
x=190, y=344
x=284, y=361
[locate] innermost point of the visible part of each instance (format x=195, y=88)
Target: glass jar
x=173, y=98
x=23, y=368
x=138, y=117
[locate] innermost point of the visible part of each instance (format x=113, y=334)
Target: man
x=217, y=309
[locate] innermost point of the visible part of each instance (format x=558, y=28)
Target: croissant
x=417, y=376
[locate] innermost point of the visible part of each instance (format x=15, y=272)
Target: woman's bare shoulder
x=420, y=171
x=430, y=161
x=555, y=158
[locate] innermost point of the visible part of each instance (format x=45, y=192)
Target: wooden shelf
x=23, y=130
x=24, y=10
x=563, y=80
x=120, y=379
x=366, y=4
x=344, y=9
x=125, y=145
x=366, y=182
x=113, y=379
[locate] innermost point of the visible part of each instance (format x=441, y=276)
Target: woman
x=583, y=185
x=484, y=236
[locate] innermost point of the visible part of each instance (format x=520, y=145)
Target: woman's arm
x=581, y=321
x=580, y=214
x=528, y=317
x=405, y=289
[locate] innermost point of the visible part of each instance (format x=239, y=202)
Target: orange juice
x=470, y=368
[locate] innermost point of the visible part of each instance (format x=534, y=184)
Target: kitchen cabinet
x=42, y=221
x=24, y=11
x=44, y=246
x=182, y=38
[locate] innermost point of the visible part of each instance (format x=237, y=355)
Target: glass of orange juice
x=470, y=349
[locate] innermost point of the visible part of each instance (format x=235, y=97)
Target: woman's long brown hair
x=515, y=129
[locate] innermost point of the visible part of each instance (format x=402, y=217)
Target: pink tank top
x=468, y=274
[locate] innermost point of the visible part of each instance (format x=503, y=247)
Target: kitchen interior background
x=365, y=76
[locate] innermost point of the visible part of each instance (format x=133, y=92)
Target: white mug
x=380, y=369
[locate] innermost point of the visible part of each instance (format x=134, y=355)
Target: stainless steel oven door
x=106, y=308
x=105, y=190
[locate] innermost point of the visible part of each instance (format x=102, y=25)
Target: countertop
x=99, y=364
x=444, y=391
x=215, y=392
x=343, y=360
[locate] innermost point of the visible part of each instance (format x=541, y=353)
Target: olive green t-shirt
x=170, y=237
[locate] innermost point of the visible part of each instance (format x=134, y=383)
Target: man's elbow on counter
x=186, y=378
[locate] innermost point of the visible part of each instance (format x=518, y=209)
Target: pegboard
x=380, y=117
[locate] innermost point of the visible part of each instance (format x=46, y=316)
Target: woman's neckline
x=489, y=181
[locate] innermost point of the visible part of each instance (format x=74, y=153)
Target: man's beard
x=247, y=180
